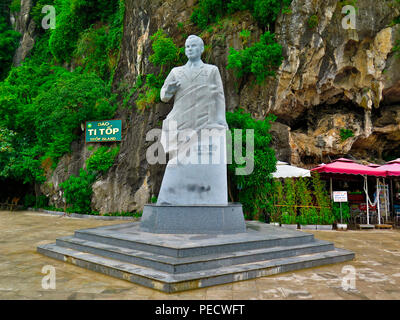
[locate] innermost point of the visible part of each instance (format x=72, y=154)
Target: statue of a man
x=199, y=106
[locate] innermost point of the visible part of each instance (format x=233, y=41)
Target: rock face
x=331, y=80
x=23, y=23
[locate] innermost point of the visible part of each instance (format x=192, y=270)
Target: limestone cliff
x=331, y=80
x=23, y=23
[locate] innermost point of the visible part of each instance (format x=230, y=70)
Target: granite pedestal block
x=205, y=219
x=178, y=262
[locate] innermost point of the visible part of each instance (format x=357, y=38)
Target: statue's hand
x=173, y=87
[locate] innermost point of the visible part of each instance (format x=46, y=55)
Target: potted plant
x=341, y=214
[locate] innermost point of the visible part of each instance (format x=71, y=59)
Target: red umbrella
x=392, y=167
x=347, y=166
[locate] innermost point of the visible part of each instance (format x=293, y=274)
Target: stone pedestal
x=204, y=219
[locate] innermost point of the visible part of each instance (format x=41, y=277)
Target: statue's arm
x=166, y=94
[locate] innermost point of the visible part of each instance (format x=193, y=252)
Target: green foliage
x=67, y=104
x=78, y=191
x=97, y=48
x=102, y=159
x=92, y=51
x=208, y=11
x=308, y=213
x=346, y=134
x=29, y=200
x=252, y=190
x=322, y=199
x=264, y=11
x=267, y=11
x=15, y=6
x=245, y=35
x=313, y=21
x=6, y=138
x=73, y=17
x=36, y=11
x=396, y=49
x=260, y=60
x=153, y=199
x=45, y=107
x=278, y=196
x=289, y=211
x=166, y=55
x=345, y=212
x=8, y=44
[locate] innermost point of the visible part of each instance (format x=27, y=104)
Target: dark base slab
x=178, y=262
x=193, y=219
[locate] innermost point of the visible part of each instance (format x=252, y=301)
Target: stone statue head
x=194, y=47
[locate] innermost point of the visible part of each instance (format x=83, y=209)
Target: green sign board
x=103, y=131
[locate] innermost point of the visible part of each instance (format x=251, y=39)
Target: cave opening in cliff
x=11, y=188
x=391, y=154
x=310, y=118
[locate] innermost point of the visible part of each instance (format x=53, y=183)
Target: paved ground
x=377, y=267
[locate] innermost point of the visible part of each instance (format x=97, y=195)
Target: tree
x=8, y=44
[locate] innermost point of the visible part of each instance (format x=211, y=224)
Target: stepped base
x=173, y=263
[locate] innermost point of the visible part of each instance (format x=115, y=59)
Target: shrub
x=36, y=11
x=289, y=211
x=345, y=212
x=267, y=11
x=278, y=196
x=78, y=191
x=15, y=6
x=346, y=134
x=322, y=199
x=313, y=21
x=264, y=11
x=308, y=213
x=102, y=159
x=74, y=17
x=261, y=59
x=208, y=11
x=8, y=44
x=29, y=200
x=253, y=190
x=165, y=55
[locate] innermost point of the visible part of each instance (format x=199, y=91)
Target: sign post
x=103, y=131
x=340, y=196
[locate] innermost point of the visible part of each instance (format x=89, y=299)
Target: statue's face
x=193, y=49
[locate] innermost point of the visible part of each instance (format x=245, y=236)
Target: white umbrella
x=284, y=170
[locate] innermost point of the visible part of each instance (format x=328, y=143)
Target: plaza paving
x=377, y=267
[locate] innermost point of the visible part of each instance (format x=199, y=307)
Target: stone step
x=168, y=282
x=190, y=264
x=179, y=246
